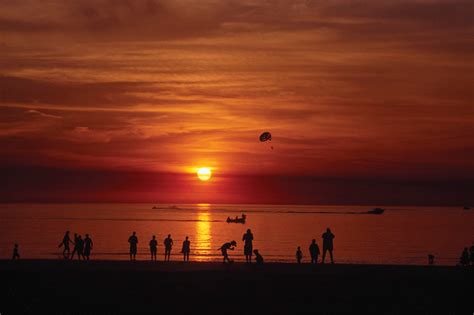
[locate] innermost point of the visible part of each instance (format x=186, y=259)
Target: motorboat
x=376, y=211
x=237, y=219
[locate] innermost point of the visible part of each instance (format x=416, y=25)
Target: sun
x=204, y=173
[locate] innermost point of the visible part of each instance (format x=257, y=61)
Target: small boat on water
x=376, y=211
x=466, y=208
x=237, y=219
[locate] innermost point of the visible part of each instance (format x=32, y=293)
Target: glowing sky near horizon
x=354, y=89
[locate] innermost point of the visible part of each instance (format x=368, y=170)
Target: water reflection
x=203, y=244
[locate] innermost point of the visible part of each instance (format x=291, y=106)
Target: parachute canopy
x=266, y=136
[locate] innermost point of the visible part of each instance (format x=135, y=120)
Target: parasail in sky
x=266, y=136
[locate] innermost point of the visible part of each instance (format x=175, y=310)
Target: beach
x=58, y=286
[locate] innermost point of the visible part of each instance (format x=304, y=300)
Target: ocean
x=401, y=235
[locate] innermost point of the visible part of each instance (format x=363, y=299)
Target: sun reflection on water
x=203, y=234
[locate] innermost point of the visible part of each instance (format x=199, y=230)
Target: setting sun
x=204, y=173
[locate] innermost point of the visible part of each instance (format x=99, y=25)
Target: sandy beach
x=54, y=286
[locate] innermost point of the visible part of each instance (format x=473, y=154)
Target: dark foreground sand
x=48, y=286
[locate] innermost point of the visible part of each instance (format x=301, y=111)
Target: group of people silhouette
x=467, y=256
x=153, y=244
x=314, y=251
x=247, y=238
x=82, y=247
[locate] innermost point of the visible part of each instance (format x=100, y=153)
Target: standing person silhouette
x=186, y=249
x=65, y=243
x=225, y=247
x=314, y=252
x=248, y=246
x=153, y=247
x=80, y=247
x=471, y=251
x=87, y=246
x=464, y=260
x=16, y=253
x=75, y=246
x=168, y=245
x=328, y=244
x=299, y=255
x=133, y=240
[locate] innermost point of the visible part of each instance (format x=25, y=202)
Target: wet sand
x=54, y=286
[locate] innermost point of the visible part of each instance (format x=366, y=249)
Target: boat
x=466, y=208
x=237, y=219
x=376, y=211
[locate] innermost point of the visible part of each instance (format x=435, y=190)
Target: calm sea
x=402, y=235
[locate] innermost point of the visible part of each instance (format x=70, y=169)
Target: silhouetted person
x=87, y=246
x=16, y=253
x=186, y=249
x=74, y=250
x=65, y=243
x=314, y=252
x=153, y=248
x=328, y=244
x=258, y=257
x=299, y=255
x=431, y=259
x=464, y=260
x=79, y=246
x=133, y=240
x=248, y=246
x=471, y=250
x=225, y=247
x=168, y=245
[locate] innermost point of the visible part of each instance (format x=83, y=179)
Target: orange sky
x=371, y=91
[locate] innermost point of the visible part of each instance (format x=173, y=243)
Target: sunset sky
x=368, y=102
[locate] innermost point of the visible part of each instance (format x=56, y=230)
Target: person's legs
x=330, y=254
x=324, y=254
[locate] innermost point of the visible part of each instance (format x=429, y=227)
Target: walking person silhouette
x=168, y=245
x=133, y=240
x=314, y=252
x=328, y=238
x=186, y=249
x=74, y=250
x=65, y=243
x=153, y=247
x=299, y=255
x=248, y=246
x=87, y=246
x=16, y=253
